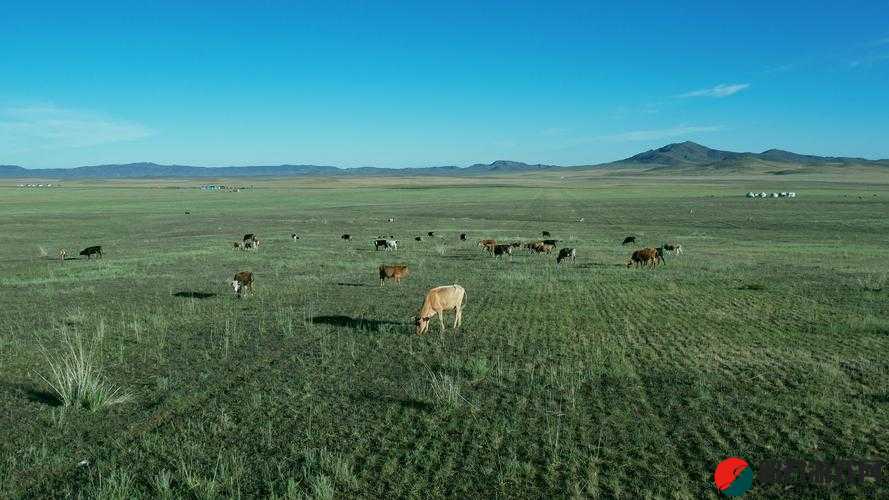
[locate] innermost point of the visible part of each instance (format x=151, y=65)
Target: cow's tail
x=464, y=295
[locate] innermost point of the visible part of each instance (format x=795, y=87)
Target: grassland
x=768, y=339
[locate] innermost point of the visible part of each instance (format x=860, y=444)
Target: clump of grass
x=163, y=484
x=322, y=488
x=445, y=390
x=441, y=249
x=477, y=368
x=75, y=375
x=119, y=485
x=42, y=251
x=875, y=282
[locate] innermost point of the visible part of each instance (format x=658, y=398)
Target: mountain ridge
x=685, y=156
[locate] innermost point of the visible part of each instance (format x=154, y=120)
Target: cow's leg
x=458, y=317
x=441, y=320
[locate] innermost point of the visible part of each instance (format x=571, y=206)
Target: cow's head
x=630, y=263
x=422, y=323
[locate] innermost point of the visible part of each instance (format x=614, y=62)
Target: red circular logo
x=733, y=476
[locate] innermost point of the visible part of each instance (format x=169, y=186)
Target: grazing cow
x=487, y=243
x=437, y=301
x=346, y=237
x=541, y=247
x=660, y=255
x=63, y=254
x=500, y=250
x=545, y=233
x=580, y=219
x=249, y=237
x=386, y=244
x=252, y=244
x=239, y=245
x=390, y=219
x=430, y=234
x=294, y=236
x=516, y=244
x=393, y=272
x=566, y=253
x=418, y=238
x=187, y=212
x=673, y=248
x=90, y=251
x=642, y=257
x=551, y=242
x=628, y=240
x=462, y=236
x=242, y=282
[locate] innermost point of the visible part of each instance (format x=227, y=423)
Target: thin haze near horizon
x=406, y=85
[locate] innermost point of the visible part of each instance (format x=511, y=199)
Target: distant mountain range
x=690, y=157
x=685, y=157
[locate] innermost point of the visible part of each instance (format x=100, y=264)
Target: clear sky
x=436, y=83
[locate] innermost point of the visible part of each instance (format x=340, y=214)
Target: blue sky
x=451, y=83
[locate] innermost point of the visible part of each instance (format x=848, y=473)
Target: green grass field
x=768, y=339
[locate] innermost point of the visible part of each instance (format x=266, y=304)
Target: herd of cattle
x=443, y=298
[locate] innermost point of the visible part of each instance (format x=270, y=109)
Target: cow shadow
x=352, y=284
x=353, y=323
x=194, y=295
x=405, y=402
x=34, y=394
x=589, y=265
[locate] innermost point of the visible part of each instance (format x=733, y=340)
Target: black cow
x=551, y=242
x=249, y=237
x=418, y=238
x=628, y=240
x=430, y=233
x=90, y=251
x=545, y=233
x=346, y=237
x=463, y=237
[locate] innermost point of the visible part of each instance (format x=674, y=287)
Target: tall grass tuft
x=75, y=375
x=445, y=390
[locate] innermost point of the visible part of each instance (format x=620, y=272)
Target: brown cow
x=486, y=243
x=242, y=282
x=645, y=256
x=541, y=247
x=499, y=250
x=437, y=301
x=393, y=272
